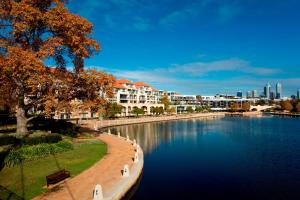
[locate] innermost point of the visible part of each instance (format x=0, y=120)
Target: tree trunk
x=21, y=121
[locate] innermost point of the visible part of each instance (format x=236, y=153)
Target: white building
x=138, y=94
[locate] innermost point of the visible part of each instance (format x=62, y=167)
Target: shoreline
x=119, y=122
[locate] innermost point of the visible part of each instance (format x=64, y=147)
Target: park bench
x=57, y=177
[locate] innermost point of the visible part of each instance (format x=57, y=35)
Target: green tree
x=165, y=100
x=189, y=109
x=199, y=109
x=171, y=110
x=114, y=109
x=138, y=111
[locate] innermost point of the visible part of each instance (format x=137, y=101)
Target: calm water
x=227, y=158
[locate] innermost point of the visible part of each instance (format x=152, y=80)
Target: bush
x=27, y=153
x=51, y=138
x=7, y=140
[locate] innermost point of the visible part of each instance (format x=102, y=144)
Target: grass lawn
x=84, y=155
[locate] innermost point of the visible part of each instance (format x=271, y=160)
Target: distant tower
x=239, y=94
x=278, y=91
x=298, y=94
x=267, y=91
x=249, y=94
x=254, y=93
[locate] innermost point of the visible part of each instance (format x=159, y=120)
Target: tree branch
x=31, y=118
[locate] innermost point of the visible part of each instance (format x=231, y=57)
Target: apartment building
x=136, y=94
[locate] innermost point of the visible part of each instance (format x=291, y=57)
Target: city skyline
x=203, y=47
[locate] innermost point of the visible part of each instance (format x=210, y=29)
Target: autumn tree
x=33, y=32
x=297, y=107
x=286, y=105
x=246, y=106
x=235, y=107
x=165, y=100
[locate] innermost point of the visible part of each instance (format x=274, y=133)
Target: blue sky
x=198, y=46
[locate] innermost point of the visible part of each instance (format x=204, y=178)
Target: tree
x=138, y=111
x=199, y=109
x=297, y=108
x=171, y=110
x=286, y=105
x=32, y=32
x=165, y=100
x=114, y=109
x=189, y=109
x=246, y=106
x=235, y=107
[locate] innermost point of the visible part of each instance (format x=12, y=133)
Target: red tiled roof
x=122, y=81
x=118, y=85
x=141, y=84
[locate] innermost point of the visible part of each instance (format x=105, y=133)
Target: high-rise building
x=298, y=94
x=278, y=91
x=249, y=94
x=272, y=95
x=239, y=94
x=254, y=93
x=267, y=91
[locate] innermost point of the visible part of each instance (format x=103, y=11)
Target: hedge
x=51, y=138
x=27, y=153
x=7, y=140
x=10, y=139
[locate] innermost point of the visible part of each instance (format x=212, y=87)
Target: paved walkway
x=106, y=172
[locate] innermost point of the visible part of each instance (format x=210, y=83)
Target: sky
x=200, y=47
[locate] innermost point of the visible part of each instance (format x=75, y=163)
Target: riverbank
x=284, y=114
x=244, y=114
x=118, y=122
x=107, y=172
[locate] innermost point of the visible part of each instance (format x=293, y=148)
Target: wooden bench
x=57, y=177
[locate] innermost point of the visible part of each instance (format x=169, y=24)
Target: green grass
x=84, y=155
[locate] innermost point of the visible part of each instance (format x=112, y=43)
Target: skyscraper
x=267, y=90
x=254, y=93
x=249, y=94
x=298, y=94
x=239, y=94
x=278, y=91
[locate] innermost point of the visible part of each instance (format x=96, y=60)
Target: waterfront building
x=132, y=95
x=278, y=91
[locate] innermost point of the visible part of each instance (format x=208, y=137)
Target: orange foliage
x=32, y=32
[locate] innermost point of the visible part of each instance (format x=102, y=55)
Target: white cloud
x=195, y=78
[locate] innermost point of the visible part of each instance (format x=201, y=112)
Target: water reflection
x=150, y=135
x=226, y=158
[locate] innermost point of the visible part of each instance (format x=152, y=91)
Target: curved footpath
x=107, y=172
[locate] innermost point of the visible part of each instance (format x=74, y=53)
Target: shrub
x=7, y=140
x=51, y=138
x=27, y=153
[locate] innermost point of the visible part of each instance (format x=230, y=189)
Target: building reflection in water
x=150, y=135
